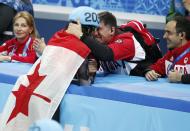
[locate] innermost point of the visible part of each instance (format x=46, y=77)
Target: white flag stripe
x=57, y=67
x=47, y=66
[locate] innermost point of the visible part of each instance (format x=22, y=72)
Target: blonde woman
x=19, y=49
x=8, y=9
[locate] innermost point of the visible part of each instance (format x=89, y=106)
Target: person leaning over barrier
x=176, y=62
x=119, y=48
x=89, y=20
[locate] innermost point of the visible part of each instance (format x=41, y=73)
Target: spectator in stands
x=175, y=62
x=178, y=8
x=8, y=9
x=122, y=45
x=186, y=4
x=19, y=49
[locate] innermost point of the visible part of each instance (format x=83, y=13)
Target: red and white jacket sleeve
x=123, y=48
x=159, y=66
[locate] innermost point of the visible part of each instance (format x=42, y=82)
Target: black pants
x=6, y=16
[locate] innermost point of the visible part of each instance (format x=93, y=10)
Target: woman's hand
x=5, y=58
x=39, y=45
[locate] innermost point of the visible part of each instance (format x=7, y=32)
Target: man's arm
x=99, y=50
x=151, y=75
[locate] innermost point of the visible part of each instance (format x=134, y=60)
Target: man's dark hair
x=108, y=18
x=88, y=29
x=182, y=25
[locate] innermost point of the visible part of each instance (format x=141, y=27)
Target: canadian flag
x=37, y=95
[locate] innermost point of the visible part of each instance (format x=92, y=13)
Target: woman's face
x=21, y=28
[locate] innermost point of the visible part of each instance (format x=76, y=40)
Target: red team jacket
x=125, y=46
x=183, y=65
x=132, y=48
x=19, y=52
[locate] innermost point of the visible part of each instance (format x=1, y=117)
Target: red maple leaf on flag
x=24, y=93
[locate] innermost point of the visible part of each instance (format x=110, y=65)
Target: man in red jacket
x=176, y=62
x=122, y=50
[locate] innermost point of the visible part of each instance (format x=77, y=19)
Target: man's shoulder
x=124, y=35
x=121, y=38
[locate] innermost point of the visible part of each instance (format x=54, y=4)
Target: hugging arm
x=99, y=50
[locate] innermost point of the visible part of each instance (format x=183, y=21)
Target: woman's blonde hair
x=29, y=20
